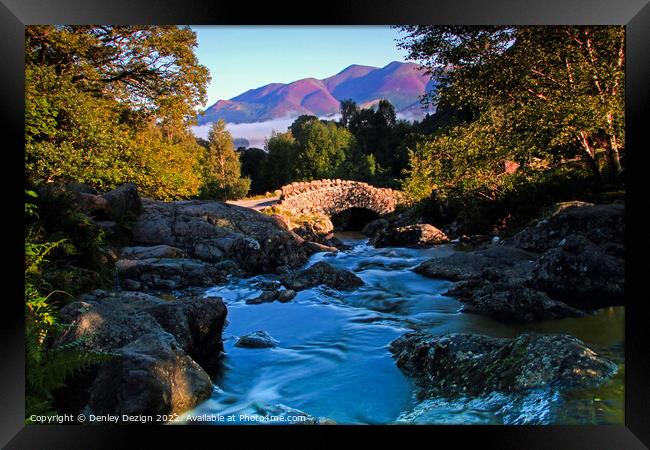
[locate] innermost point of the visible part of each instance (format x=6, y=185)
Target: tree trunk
x=589, y=155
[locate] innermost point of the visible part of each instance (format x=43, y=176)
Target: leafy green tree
x=349, y=110
x=253, y=165
x=222, y=168
x=280, y=168
x=109, y=104
x=323, y=147
x=298, y=126
x=559, y=89
x=378, y=133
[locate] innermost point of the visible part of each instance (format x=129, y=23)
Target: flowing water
x=333, y=361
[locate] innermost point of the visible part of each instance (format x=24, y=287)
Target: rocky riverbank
x=566, y=264
x=159, y=352
x=160, y=335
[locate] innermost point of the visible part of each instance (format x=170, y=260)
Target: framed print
x=408, y=219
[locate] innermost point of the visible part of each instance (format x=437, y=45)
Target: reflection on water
x=333, y=359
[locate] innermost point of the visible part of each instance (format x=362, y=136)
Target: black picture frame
x=634, y=14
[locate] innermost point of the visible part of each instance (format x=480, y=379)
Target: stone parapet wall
x=334, y=196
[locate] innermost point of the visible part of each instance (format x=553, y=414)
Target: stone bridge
x=331, y=197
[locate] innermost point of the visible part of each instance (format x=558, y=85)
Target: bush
x=520, y=197
x=47, y=365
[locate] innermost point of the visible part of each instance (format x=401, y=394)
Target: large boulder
x=322, y=273
x=151, y=375
x=464, y=364
x=582, y=273
x=600, y=224
x=150, y=252
x=123, y=203
x=572, y=258
x=196, y=323
x=419, y=235
x=213, y=232
x=509, y=302
x=156, y=346
x=374, y=227
x=165, y=274
x=512, y=262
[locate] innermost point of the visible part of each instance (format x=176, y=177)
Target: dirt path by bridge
x=256, y=204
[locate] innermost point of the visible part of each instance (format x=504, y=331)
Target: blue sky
x=246, y=57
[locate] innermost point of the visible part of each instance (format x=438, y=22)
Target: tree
x=152, y=69
x=280, y=168
x=322, y=149
x=222, y=167
x=560, y=89
x=378, y=133
x=106, y=105
x=253, y=165
x=349, y=110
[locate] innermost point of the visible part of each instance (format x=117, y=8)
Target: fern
x=47, y=368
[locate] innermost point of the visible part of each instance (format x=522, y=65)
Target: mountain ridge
x=402, y=83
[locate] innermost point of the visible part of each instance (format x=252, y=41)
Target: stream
x=332, y=360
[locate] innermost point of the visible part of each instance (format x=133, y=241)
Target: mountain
x=401, y=83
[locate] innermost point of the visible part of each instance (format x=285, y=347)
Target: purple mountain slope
x=401, y=83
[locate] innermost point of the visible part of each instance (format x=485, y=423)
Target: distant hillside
x=401, y=83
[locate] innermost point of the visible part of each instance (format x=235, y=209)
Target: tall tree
x=280, y=167
x=322, y=149
x=558, y=90
x=223, y=179
x=109, y=104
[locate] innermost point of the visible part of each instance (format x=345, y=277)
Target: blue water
x=333, y=362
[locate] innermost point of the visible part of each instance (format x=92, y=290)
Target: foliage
x=222, y=176
x=48, y=365
x=378, y=133
x=558, y=91
x=106, y=105
x=253, y=165
x=322, y=149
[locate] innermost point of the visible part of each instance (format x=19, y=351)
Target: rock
x=473, y=241
x=166, y=274
x=150, y=252
x=80, y=188
x=213, y=232
x=599, y=224
x=573, y=258
x=510, y=262
x=123, y=203
x=464, y=364
x=316, y=247
x=282, y=414
x=267, y=285
x=509, y=302
x=153, y=342
x=322, y=273
x=286, y=295
x=271, y=292
x=91, y=203
x=420, y=235
x=109, y=323
x=265, y=297
x=196, y=323
x=151, y=375
x=581, y=273
x=375, y=227
x=256, y=339
x=314, y=230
